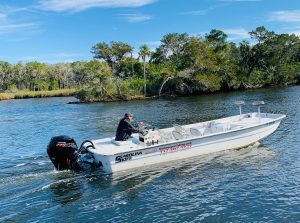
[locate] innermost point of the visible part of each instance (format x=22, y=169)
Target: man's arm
x=132, y=129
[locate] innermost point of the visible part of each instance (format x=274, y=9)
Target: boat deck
x=108, y=146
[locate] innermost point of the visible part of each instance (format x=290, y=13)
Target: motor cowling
x=62, y=151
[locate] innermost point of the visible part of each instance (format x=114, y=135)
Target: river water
x=260, y=183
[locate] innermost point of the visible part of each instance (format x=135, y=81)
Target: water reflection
x=67, y=187
x=67, y=191
x=132, y=182
x=100, y=181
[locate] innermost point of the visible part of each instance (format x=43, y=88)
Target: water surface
x=260, y=183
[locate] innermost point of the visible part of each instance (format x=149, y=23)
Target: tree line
x=181, y=65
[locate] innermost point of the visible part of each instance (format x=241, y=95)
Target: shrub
x=209, y=82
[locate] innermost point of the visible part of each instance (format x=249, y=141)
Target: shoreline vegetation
x=37, y=94
x=181, y=65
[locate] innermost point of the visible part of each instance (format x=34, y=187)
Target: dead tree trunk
x=163, y=84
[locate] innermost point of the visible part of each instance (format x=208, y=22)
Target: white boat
x=181, y=142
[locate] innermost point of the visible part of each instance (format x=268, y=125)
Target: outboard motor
x=63, y=152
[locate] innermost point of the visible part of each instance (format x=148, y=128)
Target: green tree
x=218, y=39
x=113, y=54
x=171, y=49
x=37, y=76
x=19, y=73
x=100, y=73
x=61, y=75
x=5, y=74
x=79, y=72
x=128, y=65
x=262, y=35
x=144, y=53
x=270, y=57
x=170, y=57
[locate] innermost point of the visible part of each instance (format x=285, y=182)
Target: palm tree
x=144, y=53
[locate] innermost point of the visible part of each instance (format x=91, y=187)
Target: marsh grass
x=37, y=94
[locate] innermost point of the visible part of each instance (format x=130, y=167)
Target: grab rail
x=89, y=146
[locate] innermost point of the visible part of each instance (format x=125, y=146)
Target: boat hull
x=186, y=148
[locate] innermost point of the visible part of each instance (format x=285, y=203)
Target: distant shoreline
x=37, y=94
x=72, y=92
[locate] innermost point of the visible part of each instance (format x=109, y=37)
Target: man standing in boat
x=125, y=128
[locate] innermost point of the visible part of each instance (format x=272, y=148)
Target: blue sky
x=53, y=31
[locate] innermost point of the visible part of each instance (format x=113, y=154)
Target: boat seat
x=165, y=137
x=218, y=127
x=196, y=132
x=177, y=135
x=222, y=126
x=181, y=130
x=120, y=143
x=237, y=126
x=210, y=124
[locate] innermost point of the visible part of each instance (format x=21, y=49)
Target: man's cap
x=128, y=114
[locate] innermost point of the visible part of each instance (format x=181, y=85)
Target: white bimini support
x=258, y=104
x=240, y=104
